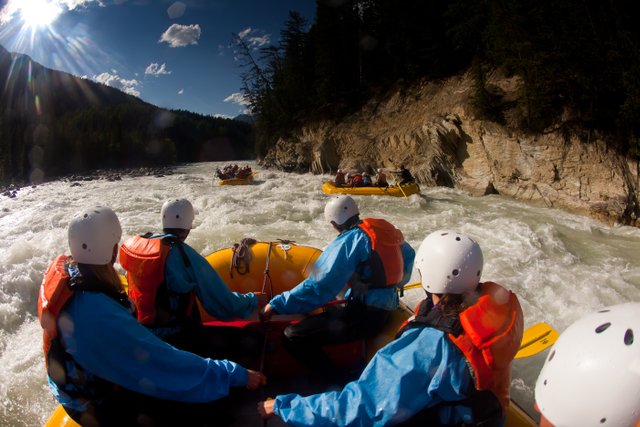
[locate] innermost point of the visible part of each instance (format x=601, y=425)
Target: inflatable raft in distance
x=328, y=187
x=237, y=181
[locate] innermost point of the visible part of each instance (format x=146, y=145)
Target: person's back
x=366, y=180
x=381, y=179
x=405, y=175
x=435, y=371
x=339, y=180
x=103, y=366
x=357, y=180
x=165, y=292
x=369, y=255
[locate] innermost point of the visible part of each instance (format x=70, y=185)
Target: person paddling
x=105, y=368
x=450, y=364
x=371, y=257
x=405, y=175
x=166, y=276
x=591, y=376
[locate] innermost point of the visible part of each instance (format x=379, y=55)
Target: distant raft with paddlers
x=328, y=187
x=237, y=181
x=274, y=267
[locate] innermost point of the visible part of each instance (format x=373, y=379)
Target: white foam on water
x=560, y=265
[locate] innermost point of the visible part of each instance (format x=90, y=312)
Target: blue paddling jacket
x=420, y=369
x=344, y=256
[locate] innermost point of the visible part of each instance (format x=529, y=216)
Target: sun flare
x=39, y=13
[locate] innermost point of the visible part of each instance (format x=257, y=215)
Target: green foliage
x=572, y=55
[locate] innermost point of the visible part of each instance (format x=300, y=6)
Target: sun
x=39, y=13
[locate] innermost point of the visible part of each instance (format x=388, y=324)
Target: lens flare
x=39, y=13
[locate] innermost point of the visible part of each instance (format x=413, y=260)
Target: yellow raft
x=328, y=187
x=243, y=270
x=237, y=181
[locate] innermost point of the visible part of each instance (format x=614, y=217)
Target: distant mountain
x=246, y=118
x=31, y=88
x=53, y=123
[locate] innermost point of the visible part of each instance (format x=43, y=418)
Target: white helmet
x=592, y=374
x=449, y=263
x=92, y=235
x=177, y=213
x=379, y=170
x=339, y=170
x=340, y=209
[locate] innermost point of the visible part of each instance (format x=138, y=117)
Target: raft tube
x=328, y=187
x=237, y=181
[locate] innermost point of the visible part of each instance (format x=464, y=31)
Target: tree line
x=577, y=58
x=54, y=124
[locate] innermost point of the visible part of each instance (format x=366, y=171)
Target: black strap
x=174, y=241
x=429, y=315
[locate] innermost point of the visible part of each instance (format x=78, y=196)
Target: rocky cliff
x=432, y=129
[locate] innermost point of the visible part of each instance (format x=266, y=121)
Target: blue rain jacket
x=107, y=341
x=213, y=293
x=418, y=370
x=331, y=271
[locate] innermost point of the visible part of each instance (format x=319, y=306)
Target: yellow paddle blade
x=535, y=339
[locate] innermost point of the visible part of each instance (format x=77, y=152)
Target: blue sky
x=174, y=54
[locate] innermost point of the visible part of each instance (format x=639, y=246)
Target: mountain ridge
x=53, y=124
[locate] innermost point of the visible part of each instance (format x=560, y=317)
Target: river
x=561, y=266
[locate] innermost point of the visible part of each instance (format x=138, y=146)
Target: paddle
x=400, y=186
x=535, y=339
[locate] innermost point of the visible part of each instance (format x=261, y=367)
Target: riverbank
x=433, y=130
x=12, y=190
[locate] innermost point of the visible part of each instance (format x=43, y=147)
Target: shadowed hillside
x=53, y=123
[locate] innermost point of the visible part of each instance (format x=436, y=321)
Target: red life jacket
x=488, y=334
x=144, y=260
x=386, y=260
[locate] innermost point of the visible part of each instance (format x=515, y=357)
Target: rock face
x=432, y=130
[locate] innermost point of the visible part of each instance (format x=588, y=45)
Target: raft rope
x=285, y=245
x=265, y=323
x=241, y=258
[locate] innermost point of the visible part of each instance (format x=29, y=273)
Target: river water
x=561, y=266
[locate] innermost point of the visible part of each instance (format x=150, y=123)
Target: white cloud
x=181, y=91
x=255, y=39
x=181, y=35
x=156, y=69
x=237, y=98
x=115, y=81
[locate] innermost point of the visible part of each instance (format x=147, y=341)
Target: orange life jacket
x=57, y=288
x=489, y=336
x=493, y=329
x=54, y=294
x=144, y=260
x=386, y=261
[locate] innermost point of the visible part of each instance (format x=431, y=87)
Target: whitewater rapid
x=560, y=265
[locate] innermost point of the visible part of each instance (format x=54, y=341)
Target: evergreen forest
x=54, y=124
x=579, y=59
